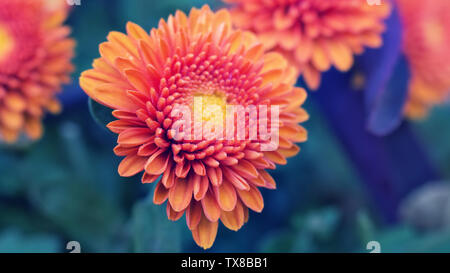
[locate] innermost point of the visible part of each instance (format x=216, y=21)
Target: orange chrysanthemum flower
x=426, y=45
x=314, y=34
x=35, y=56
x=196, y=61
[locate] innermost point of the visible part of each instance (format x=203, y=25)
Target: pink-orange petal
x=252, y=198
x=168, y=178
x=110, y=95
x=210, y=207
x=234, y=219
x=172, y=214
x=124, y=151
x=270, y=182
x=118, y=126
x=235, y=179
x=226, y=196
x=180, y=194
x=199, y=168
x=158, y=162
x=214, y=175
x=193, y=214
x=201, y=185
x=160, y=194
x=246, y=169
x=148, y=178
x=131, y=165
x=205, y=233
x=134, y=137
x=276, y=157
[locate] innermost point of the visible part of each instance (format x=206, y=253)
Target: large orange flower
x=35, y=56
x=196, y=61
x=314, y=34
x=426, y=45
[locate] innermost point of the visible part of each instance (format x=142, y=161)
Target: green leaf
x=13, y=241
x=152, y=231
x=101, y=114
x=403, y=239
x=365, y=227
x=278, y=241
x=78, y=208
x=321, y=223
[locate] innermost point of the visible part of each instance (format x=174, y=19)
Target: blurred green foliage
x=152, y=231
x=65, y=187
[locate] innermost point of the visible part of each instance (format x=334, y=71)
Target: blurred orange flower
x=197, y=61
x=35, y=56
x=314, y=34
x=426, y=45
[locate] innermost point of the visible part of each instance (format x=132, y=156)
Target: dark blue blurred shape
x=387, y=155
x=391, y=166
x=387, y=75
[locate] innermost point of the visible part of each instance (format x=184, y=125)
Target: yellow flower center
x=6, y=43
x=434, y=33
x=210, y=109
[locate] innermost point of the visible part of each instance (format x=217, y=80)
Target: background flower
x=143, y=77
x=35, y=58
x=339, y=193
x=426, y=45
x=314, y=35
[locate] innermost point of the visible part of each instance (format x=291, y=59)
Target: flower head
x=35, y=58
x=184, y=77
x=426, y=45
x=314, y=34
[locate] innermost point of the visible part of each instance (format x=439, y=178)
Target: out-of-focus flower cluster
x=426, y=26
x=314, y=35
x=35, y=56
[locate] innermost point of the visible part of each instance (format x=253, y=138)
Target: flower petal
x=110, y=95
x=235, y=179
x=214, y=175
x=160, y=194
x=131, y=165
x=134, y=137
x=246, y=169
x=270, y=182
x=193, y=215
x=205, y=233
x=234, y=219
x=182, y=169
x=180, y=194
x=275, y=157
x=201, y=185
x=199, y=168
x=210, y=207
x=158, y=162
x=340, y=54
x=252, y=198
x=148, y=178
x=168, y=178
x=118, y=126
x=226, y=196
x=172, y=214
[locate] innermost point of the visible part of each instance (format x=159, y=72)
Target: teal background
x=65, y=187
